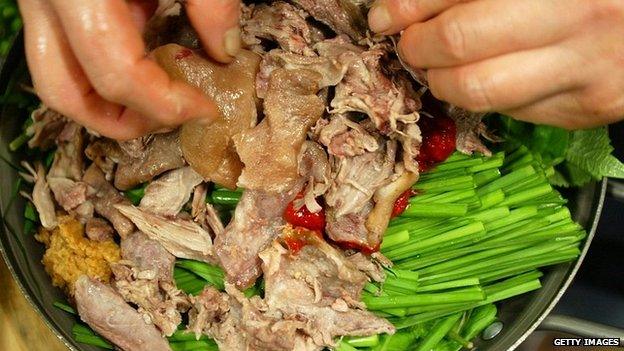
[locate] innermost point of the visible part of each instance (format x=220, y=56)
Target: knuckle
x=599, y=10
x=606, y=106
x=407, y=8
x=475, y=89
x=113, y=86
x=452, y=37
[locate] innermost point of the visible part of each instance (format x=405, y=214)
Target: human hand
x=557, y=62
x=88, y=61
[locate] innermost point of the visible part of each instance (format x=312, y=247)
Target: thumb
x=217, y=23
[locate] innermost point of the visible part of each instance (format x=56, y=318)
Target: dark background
x=597, y=293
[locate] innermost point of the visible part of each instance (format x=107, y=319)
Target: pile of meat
x=317, y=118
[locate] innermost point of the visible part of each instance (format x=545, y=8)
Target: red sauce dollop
x=438, y=141
x=302, y=217
x=402, y=202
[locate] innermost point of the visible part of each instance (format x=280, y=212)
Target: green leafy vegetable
x=579, y=156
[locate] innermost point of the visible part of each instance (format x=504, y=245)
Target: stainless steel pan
x=519, y=316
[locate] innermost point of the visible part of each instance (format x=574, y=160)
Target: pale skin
x=557, y=62
x=88, y=61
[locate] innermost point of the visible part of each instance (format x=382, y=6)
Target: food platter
x=520, y=316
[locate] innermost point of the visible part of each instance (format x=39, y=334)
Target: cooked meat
x=105, y=199
x=220, y=316
x=47, y=125
x=135, y=148
x=181, y=237
x=344, y=137
x=385, y=197
x=168, y=194
x=98, y=229
x=332, y=70
x=203, y=212
x=208, y=148
x=256, y=222
x=310, y=298
x=368, y=266
x=68, y=193
x=470, y=128
x=109, y=315
x=65, y=173
x=409, y=135
x=162, y=154
x=104, y=153
x=280, y=22
x=313, y=167
x=343, y=16
x=350, y=229
x=41, y=196
x=320, y=286
x=148, y=256
x=355, y=179
x=367, y=89
x=270, y=150
x=144, y=278
x=337, y=47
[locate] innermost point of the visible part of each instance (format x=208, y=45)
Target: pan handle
x=580, y=327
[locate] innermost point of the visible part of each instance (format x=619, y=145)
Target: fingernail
x=232, y=41
x=379, y=19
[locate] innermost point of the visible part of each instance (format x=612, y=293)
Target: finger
x=509, y=81
x=503, y=26
x=141, y=11
x=217, y=23
x=110, y=50
x=560, y=111
x=392, y=16
x=61, y=83
x=577, y=109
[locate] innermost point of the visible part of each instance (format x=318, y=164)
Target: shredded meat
x=344, y=137
x=162, y=154
x=332, y=70
x=291, y=108
x=470, y=128
x=256, y=222
x=280, y=22
x=144, y=277
x=321, y=287
x=313, y=167
x=343, y=16
x=367, y=89
x=355, y=179
x=350, y=228
x=169, y=193
x=104, y=199
x=310, y=299
x=108, y=314
x=181, y=237
x=98, y=229
x=47, y=125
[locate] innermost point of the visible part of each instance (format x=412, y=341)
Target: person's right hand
x=88, y=61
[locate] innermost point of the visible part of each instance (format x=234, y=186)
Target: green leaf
x=590, y=151
x=547, y=143
x=576, y=176
x=558, y=179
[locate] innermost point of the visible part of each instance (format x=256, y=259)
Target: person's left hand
x=558, y=62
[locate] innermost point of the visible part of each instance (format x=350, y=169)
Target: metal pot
x=520, y=316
